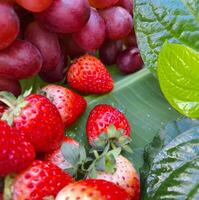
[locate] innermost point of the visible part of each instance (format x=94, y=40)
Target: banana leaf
x=139, y=97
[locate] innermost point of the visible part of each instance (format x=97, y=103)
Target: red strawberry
x=88, y=75
x=15, y=153
x=125, y=176
x=100, y=119
x=57, y=157
x=70, y=105
x=1, y=196
x=42, y=180
x=92, y=189
x=2, y=110
x=36, y=118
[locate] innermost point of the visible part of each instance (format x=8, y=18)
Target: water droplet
x=169, y=108
x=148, y=115
x=119, y=106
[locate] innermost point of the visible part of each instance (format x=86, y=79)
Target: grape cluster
x=39, y=37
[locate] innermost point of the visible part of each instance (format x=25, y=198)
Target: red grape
x=20, y=60
x=10, y=85
x=71, y=47
x=48, y=44
x=92, y=34
x=102, y=3
x=9, y=23
x=130, y=60
x=127, y=4
x=57, y=74
x=130, y=40
x=119, y=22
x=35, y=5
x=109, y=51
x=65, y=16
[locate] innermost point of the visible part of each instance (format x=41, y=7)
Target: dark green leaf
x=164, y=137
x=174, y=173
x=159, y=20
x=100, y=164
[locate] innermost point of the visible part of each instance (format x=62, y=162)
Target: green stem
x=96, y=154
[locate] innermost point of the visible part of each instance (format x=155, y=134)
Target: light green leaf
x=178, y=73
x=159, y=20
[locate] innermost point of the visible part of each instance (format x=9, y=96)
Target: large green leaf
x=159, y=20
x=139, y=97
x=163, y=138
x=174, y=173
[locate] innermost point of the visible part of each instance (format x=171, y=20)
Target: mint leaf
x=159, y=20
x=178, y=73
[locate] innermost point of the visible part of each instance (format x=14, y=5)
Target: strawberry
x=125, y=176
x=101, y=118
x=36, y=118
x=89, y=75
x=1, y=196
x=69, y=104
x=57, y=158
x=2, y=109
x=42, y=180
x=92, y=189
x=15, y=153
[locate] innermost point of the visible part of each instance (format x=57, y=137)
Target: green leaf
x=174, y=173
x=71, y=153
x=101, y=164
x=159, y=20
x=164, y=137
x=110, y=164
x=178, y=73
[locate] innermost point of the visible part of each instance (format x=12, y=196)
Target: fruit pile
x=44, y=37
x=40, y=38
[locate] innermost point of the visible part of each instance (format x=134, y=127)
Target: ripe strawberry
x=15, y=153
x=88, y=75
x=69, y=104
x=2, y=110
x=35, y=118
x=100, y=119
x=125, y=176
x=1, y=196
x=42, y=180
x=57, y=158
x=92, y=189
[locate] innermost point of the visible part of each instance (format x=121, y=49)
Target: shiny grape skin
x=35, y=5
x=109, y=51
x=102, y=3
x=130, y=40
x=20, y=60
x=127, y=4
x=92, y=35
x=10, y=85
x=130, y=60
x=65, y=16
x=57, y=74
x=48, y=44
x=9, y=23
x=119, y=22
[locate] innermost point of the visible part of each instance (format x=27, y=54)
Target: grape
x=127, y=4
x=35, y=5
x=9, y=23
x=48, y=44
x=10, y=85
x=57, y=74
x=102, y=3
x=130, y=40
x=65, y=16
x=20, y=60
x=71, y=47
x=130, y=60
x=92, y=34
x=109, y=51
x=10, y=2
x=119, y=22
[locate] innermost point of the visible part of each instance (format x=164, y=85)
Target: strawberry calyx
x=8, y=182
x=114, y=138
x=14, y=105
